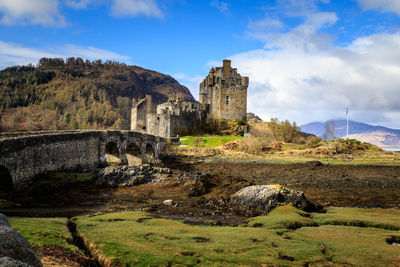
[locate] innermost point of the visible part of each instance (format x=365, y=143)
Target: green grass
x=379, y=218
x=44, y=231
x=208, y=141
x=283, y=217
x=266, y=240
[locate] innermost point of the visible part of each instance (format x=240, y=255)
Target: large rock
x=128, y=176
x=8, y=262
x=267, y=197
x=13, y=245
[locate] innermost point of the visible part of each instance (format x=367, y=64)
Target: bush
x=277, y=146
x=299, y=139
x=313, y=141
x=261, y=130
x=231, y=145
x=253, y=145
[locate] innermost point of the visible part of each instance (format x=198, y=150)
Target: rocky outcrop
x=128, y=176
x=267, y=197
x=14, y=248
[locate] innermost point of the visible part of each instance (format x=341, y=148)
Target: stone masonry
x=225, y=91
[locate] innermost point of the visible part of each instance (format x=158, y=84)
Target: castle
x=223, y=95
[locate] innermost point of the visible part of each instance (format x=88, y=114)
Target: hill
x=377, y=135
x=74, y=94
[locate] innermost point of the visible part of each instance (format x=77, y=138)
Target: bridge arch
x=134, y=155
x=112, y=153
x=6, y=182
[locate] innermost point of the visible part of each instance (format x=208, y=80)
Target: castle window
x=227, y=99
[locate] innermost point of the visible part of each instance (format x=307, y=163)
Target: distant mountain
x=377, y=135
x=78, y=94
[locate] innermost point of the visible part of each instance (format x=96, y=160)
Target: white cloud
x=81, y=4
x=127, y=8
x=385, y=5
x=296, y=8
x=300, y=75
x=22, y=12
x=14, y=54
x=191, y=82
x=223, y=7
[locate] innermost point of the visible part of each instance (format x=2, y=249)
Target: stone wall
x=168, y=119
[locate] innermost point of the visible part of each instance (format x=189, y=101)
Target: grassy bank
x=286, y=237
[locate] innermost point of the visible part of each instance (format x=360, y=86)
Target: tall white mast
x=347, y=119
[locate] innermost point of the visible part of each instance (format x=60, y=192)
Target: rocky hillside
x=72, y=94
x=377, y=135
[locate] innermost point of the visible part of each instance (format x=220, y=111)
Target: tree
x=284, y=130
x=329, y=130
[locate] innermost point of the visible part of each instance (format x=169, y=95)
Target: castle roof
x=212, y=70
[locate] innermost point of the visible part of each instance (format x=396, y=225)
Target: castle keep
x=223, y=95
x=225, y=91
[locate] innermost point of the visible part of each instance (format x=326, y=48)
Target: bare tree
x=329, y=130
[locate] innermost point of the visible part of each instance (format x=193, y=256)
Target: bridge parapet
x=24, y=155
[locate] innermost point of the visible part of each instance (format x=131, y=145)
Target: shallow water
x=393, y=149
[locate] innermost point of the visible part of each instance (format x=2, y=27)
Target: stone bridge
x=24, y=155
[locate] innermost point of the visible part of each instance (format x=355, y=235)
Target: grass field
x=44, y=231
x=285, y=237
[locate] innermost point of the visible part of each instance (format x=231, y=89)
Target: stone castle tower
x=225, y=91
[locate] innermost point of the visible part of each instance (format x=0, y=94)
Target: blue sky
x=307, y=59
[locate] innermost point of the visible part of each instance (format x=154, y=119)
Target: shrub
x=253, y=145
x=299, y=140
x=277, y=146
x=231, y=146
x=261, y=130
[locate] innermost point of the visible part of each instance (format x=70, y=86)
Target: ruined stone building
x=223, y=95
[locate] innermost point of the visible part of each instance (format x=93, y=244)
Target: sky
x=307, y=60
